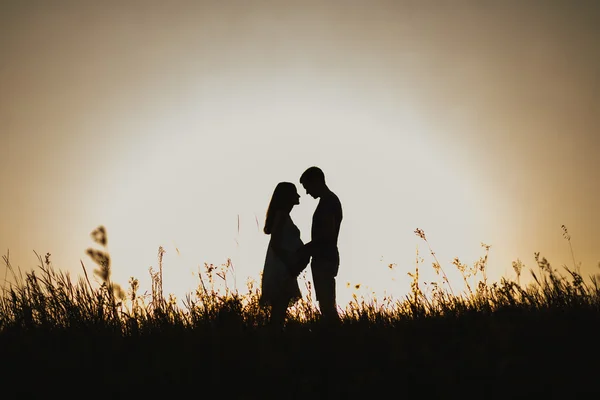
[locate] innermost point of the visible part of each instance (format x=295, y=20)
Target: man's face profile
x=309, y=186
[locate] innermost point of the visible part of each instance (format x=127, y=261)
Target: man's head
x=313, y=181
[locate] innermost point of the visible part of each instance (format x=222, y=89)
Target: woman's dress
x=277, y=283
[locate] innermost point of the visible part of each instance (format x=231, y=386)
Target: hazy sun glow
x=188, y=199
x=172, y=126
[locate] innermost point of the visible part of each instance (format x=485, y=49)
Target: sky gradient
x=476, y=121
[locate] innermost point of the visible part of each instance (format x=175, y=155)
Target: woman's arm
x=277, y=234
x=293, y=260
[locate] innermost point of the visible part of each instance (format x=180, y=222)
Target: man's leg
x=324, y=282
x=328, y=309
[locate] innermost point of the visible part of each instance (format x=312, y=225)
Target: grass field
x=494, y=340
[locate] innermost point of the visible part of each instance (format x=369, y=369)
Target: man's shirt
x=328, y=211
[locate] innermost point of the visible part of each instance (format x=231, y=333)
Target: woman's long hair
x=281, y=198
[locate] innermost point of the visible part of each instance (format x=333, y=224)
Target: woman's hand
x=301, y=260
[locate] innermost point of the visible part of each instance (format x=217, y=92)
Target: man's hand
x=304, y=251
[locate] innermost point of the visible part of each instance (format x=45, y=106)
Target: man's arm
x=326, y=235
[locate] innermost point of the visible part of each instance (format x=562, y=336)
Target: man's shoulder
x=334, y=197
x=331, y=200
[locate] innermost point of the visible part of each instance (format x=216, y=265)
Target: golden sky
x=476, y=121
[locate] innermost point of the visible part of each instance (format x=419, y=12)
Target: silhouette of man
x=323, y=247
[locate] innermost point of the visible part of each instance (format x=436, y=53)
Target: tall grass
x=498, y=339
x=50, y=299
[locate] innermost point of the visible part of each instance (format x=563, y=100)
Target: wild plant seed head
x=420, y=233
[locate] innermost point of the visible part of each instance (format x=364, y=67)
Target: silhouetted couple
x=287, y=256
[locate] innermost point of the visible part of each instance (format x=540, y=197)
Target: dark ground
x=507, y=355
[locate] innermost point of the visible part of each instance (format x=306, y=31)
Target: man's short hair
x=313, y=174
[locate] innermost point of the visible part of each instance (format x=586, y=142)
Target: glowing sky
x=476, y=121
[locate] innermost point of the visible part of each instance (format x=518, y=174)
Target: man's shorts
x=324, y=273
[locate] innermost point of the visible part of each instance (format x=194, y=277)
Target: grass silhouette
x=498, y=340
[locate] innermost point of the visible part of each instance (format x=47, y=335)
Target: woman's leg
x=278, y=313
